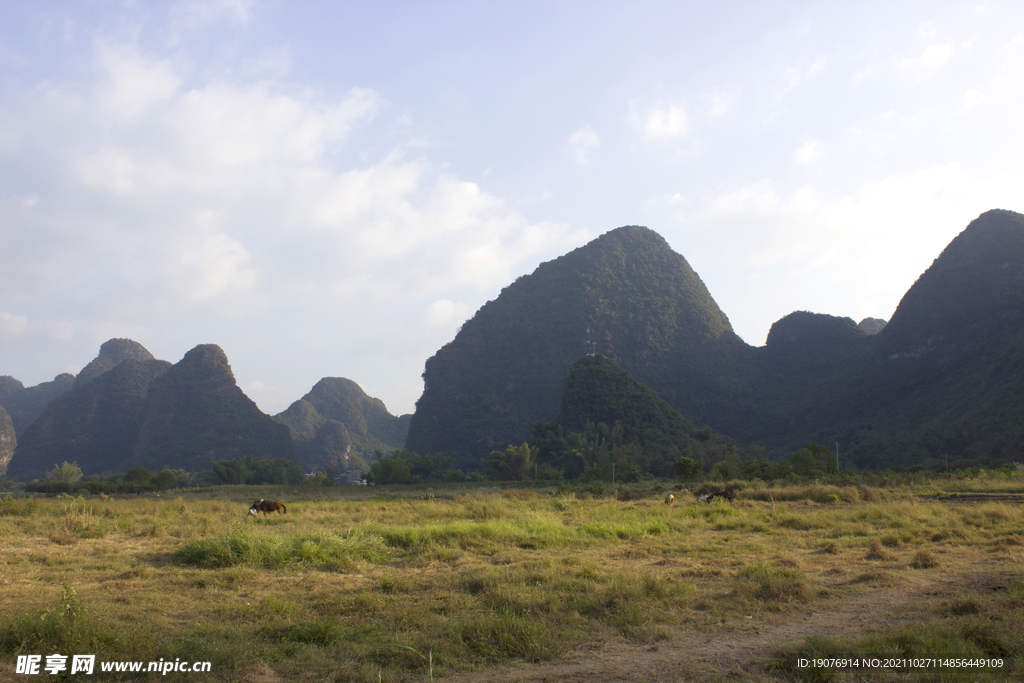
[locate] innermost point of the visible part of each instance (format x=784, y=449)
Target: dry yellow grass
x=469, y=580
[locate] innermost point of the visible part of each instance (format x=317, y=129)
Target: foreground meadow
x=396, y=586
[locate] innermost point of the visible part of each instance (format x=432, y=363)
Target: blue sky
x=332, y=188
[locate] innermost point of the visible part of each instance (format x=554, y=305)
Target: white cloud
x=193, y=15
x=583, y=143
x=926, y=63
x=809, y=152
x=12, y=326
x=130, y=84
x=535, y=198
x=444, y=311
x=197, y=211
x=666, y=122
x=793, y=77
x=721, y=101
x=972, y=98
x=211, y=266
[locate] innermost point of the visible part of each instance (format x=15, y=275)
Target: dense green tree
x=810, y=461
x=408, y=467
x=182, y=478
x=393, y=470
x=688, y=469
x=515, y=463
x=724, y=470
x=764, y=469
x=612, y=424
x=137, y=475
x=252, y=471
x=68, y=472
x=163, y=480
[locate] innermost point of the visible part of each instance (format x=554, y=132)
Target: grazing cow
x=728, y=494
x=669, y=499
x=266, y=507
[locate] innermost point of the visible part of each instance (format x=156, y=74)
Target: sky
x=330, y=189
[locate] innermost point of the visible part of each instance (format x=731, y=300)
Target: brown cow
x=266, y=507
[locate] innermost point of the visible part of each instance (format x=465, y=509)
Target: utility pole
x=613, y=474
x=837, y=458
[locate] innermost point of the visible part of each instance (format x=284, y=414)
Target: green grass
x=265, y=551
x=391, y=587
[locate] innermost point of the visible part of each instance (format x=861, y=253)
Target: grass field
x=349, y=586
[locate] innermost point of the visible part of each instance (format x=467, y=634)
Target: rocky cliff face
x=8, y=441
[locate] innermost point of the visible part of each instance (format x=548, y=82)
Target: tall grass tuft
x=60, y=628
x=774, y=584
x=263, y=551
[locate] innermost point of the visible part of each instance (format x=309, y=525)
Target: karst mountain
x=942, y=377
x=336, y=425
x=623, y=316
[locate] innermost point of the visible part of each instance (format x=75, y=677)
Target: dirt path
x=734, y=655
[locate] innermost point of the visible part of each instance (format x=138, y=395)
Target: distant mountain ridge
x=127, y=409
x=940, y=380
x=893, y=393
x=337, y=425
x=146, y=412
x=25, y=404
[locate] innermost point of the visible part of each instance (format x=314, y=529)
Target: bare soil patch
x=738, y=654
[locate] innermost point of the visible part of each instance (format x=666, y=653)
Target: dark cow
x=728, y=494
x=266, y=507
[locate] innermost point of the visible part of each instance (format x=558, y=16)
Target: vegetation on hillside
x=939, y=383
x=25, y=404
x=627, y=296
x=112, y=353
x=149, y=413
x=937, y=388
x=196, y=413
x=608, y=420
x=337, y=426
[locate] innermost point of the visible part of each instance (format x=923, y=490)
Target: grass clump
x=17, y=508
x=61, y=628
x=924, y=559
x=876, y=551
x=263, y=551
x=773, y=584
x=505, y=635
